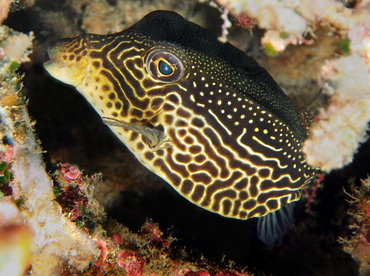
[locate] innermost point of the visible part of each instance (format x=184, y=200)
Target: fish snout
x=67, y=60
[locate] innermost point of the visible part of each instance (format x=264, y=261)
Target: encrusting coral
x=341, y=126
x=4, y=9
x=55, y=239
x=358, y=244
x=288, y=22
x=15, y=239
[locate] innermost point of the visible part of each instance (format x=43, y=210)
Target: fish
x=199, y=113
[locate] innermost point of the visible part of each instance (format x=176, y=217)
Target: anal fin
x=273, y=226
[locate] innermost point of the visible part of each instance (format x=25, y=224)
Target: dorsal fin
x=307, y=117
x=307, y=114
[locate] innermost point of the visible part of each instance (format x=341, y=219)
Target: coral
x=14, y=50
x=55, y=239
x=15, y=240
x=245, y=22
x=132, y=262
x=118, y=238
x=4, y=173
x=310, y=192
x=103, y=253
x=288, y=22
x=71, y=172
x=358, y=244
x=155, y=235
x=75, y=193
x=4, y=9
x=341, y=126
x=104, y=17
x=226, y=24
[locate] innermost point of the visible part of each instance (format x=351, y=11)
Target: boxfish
x=197, y=112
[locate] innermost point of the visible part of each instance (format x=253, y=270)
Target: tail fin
x=273, y=226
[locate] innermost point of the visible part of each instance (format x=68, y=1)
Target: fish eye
x=164, y=66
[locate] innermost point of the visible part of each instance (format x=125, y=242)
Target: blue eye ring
x=164, y=66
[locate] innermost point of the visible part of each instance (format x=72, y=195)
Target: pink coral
x=103, y=252
x=132, y=262
x=75, y=213
x=155, y=235
x=71, y=173
x=7, y=154
x=102, y=264
x=117, y=238
x=245, y=22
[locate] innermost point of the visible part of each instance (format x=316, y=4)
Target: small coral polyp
x=132, y=261
x=70, y=172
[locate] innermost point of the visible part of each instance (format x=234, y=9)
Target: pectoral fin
x=156, y=139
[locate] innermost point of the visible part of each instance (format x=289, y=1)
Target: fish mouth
x=49, y=60
x=62, y=64
x=52, y=51
x=54, y=63
x=55, y=49
x=52, y=54
x=48, y=56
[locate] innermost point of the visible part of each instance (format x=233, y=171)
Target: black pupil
x=164, y=68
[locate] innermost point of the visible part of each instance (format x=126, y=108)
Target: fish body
x=197, y=112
